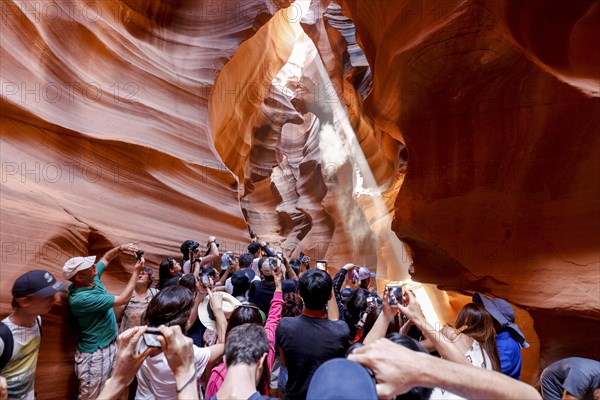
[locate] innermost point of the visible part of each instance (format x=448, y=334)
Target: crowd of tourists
x=212, y=325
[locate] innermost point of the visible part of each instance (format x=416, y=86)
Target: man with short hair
x=20, y=332
x=246, y=350
x=261, y=292
x=309, y=340
x=92, y=305
x=257, y=250
x=365, y=276
x=246, y=269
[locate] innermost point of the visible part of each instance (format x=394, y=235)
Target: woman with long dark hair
x=169, y=273
x=472, y=340
x=170, y=307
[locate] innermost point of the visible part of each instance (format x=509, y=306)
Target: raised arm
x=449, y=349
x=291, y=274
x=274, y=317
x=383, y=321
x=200, y=294
x=333, y=313
x=398, y=369
x=213, y=255
x=127, y=363
x=125, y=295
x=266, y=249
x=338, y=281
x=216, y=304
x=110, y=255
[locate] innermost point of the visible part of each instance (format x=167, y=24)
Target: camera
x=230, y=257
x=205, y=281
x=139, y=254
x=274, y=263
x=150, y=337
x=371, y=303
x=395, y=293
x=194, y=247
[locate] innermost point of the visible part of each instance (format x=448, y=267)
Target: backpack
x=7, y=338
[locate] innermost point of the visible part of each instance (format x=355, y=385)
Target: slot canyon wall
x=168, y=120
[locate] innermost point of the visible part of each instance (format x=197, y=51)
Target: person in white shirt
x=172, y=307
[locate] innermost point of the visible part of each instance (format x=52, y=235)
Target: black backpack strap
x=9, y=342
x=38, y=321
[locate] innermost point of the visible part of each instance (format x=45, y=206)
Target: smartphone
x=150, y=337
x=395, y=293
x=371, y=303
x=274, y=264
x=280, y=255
x=205, y=281
x=322, y=265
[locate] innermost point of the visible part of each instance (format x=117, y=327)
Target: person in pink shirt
x=249, y=313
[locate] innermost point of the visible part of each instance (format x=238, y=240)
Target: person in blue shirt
x=509, y=338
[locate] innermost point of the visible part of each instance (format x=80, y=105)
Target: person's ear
x=24, y=301
x=259, y=367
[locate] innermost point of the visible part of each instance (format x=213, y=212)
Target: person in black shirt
x=316, y=336
x=261, y=292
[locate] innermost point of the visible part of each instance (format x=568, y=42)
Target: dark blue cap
x=38, y=283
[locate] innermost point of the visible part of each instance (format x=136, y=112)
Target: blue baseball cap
x=358, y=382
x=37, y=283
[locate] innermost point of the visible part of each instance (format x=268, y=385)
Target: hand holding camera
x=413, y=309
x=129, y=248
x=387, y=308
x=140, y=263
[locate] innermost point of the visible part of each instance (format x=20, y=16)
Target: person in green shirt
x=92, y=306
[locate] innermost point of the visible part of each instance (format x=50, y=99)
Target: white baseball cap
x=76, y=264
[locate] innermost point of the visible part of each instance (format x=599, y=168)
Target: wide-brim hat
x=230, y=303
x=503, y=313
x=76, y=264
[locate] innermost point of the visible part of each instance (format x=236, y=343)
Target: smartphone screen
x=150, y=337
x=395, y=294
x=322, y=265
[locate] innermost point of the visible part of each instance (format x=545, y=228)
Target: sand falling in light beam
x=338, y=146
x=393, y=261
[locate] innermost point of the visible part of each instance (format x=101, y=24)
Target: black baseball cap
x=253, y=247
x=38, y=283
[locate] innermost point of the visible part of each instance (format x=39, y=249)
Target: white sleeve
x=228, y=286
x=187, y=267
x=201, y=357
x=143, y=391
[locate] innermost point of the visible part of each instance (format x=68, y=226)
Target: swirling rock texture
x=497, y=103
x=168, y=120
